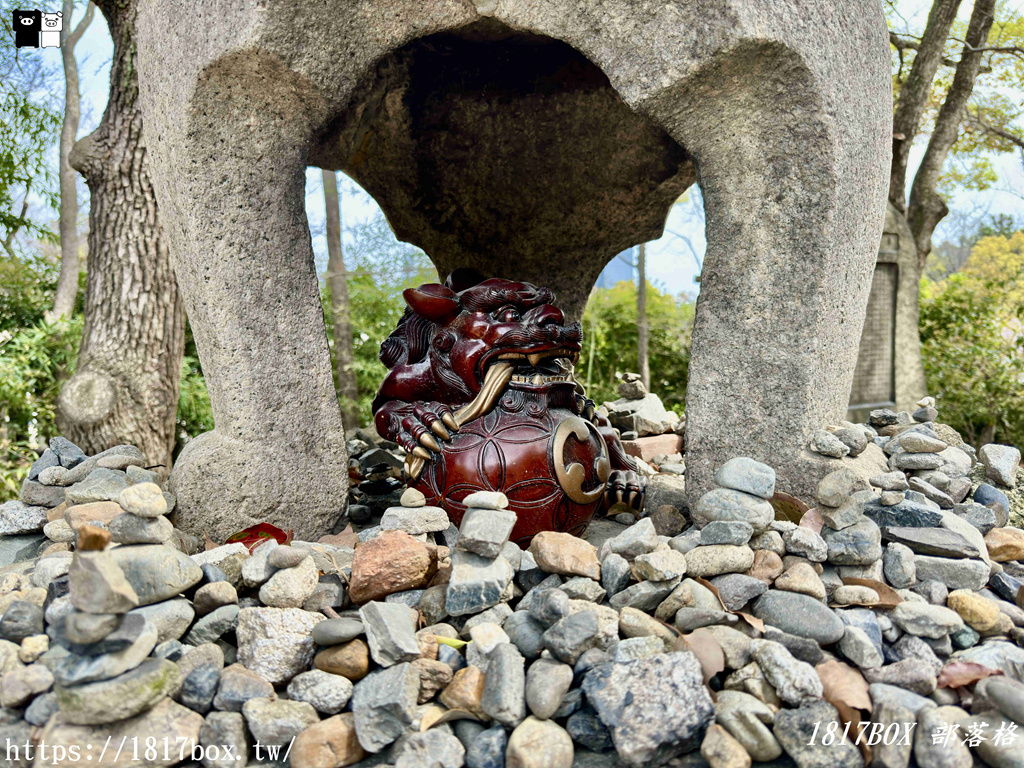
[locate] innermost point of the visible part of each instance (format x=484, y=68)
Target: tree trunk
x=914, y=93
x=643, y=330
x=67, y=284
x=125, y=388
x=337, y=287
x=927, y=208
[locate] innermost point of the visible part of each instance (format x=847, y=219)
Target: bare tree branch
x=926, y=208
x=911, y=43
x=76, y=35
x=1014, y=49
x=914, y=94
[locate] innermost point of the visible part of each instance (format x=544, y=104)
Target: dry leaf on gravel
x=787, y=507
x=846, y=689
x=708, y=651
x=957, y=674
x=887, y=596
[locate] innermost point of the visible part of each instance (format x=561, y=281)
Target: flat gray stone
x=132, y=529
x=925, y=620
x=504, y=695
x=101, y=485
x=73, y=670
x=729, y=505
x=745, y=474
x=119, y=698
x=414, y=520
x=955, y=574
x=734, y=532
x=858, y=544
x=327, y=693
x=17, y=518
x=940, y=542
x=476, y=583
x=383, y=704
x=799, y=615
x=485, y=531
x=155, y=571
x=171, y=618
x=1001, y=463
x=337, y=631
x=390, y=632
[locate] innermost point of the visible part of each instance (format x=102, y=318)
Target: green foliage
x=610, y=340
x=379, y=269
x=34, y=362
x=195, y=415
x=972, y=342
x=994, y=109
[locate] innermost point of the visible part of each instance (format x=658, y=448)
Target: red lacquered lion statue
x=482, y=395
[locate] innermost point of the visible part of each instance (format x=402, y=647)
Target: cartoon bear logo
x=28, y=25
x=53, y=23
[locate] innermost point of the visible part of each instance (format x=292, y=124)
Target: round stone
x=143, y=499
x=337, y=631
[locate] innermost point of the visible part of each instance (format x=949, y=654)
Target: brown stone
x=790, y=560
x=102, y=511
x=434, y=676
x=801, y=578
x=351, y=660
x=57, y=546
x=767, y=566
x=647, y=448
x=722, y=750
x=331, y=743
x=812, y=519
x=980, y=613
x=565, y=554
x=57, y=512
x=1005, y=544
x=428, y=644
x=92, y=537
x=668, y=521
x=465, y=691
x=392, y=562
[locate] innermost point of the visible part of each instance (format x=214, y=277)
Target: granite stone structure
x=889, y=372
x=529, y=140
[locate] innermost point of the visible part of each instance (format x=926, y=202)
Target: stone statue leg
x=235, y=193
x=794, y=200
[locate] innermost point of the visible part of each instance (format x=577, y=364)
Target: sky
x=672, y=261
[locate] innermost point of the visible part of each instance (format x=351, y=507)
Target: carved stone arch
x=784, y=108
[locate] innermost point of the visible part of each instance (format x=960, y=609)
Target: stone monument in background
x=889, y=373
x=531, y=140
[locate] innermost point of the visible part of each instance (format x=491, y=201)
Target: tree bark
x=125, y=388
x=926, y=208
x=337, y=287
x=67, y=283
x=914, y=93
x=642, y=328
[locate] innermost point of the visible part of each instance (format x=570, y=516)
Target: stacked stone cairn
x=734, y=633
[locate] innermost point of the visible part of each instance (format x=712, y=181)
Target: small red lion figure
x=472, y=344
